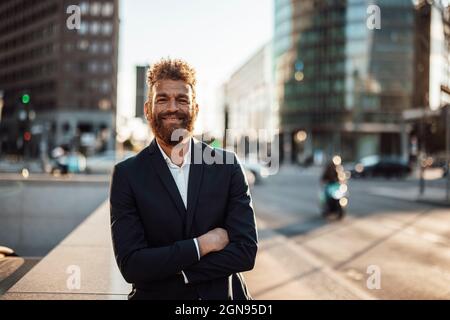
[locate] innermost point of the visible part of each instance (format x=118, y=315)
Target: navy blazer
x=152, y=231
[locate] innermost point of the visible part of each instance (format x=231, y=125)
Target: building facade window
x=96, y=8
x=107, y=9
x=95, y=47
x=95, y=27
x=84, y=27
x=105, y=86
x=106, y=48
x=83, y=45
x=107, y=28
x=84, y=7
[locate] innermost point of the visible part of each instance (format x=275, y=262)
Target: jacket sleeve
x=239, y=255
x=137, y=262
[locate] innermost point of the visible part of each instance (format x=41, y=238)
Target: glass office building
x=69, y=72
x=339, y=81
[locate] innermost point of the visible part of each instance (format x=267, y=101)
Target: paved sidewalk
x=286, y=271
x=432, y=195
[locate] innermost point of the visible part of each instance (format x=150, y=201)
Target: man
x=183, y=227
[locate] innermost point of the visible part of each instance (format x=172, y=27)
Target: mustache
x=164, y=132
x=178, y=114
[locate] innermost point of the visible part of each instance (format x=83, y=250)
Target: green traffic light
x=26, y=99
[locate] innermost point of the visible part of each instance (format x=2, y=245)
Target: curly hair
x=171, y=69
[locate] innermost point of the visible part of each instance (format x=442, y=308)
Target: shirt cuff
x=186, y=281
x=197, y=247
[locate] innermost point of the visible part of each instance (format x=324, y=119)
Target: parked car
x=104, y=162
x=255, y=172
x=437, y=162
x=377, y=166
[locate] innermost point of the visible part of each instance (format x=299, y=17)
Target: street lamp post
x=447, y=150
x=1, y=104
x=1, y=111
x=443, y=7
x=422, y=156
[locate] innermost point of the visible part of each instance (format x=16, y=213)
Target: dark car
x=376, y=166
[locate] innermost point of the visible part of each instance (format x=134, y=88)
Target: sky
x=215, y=36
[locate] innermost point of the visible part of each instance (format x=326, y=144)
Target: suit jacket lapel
x=195, y=180
x=166, y=178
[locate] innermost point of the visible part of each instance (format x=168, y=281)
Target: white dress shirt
x=181, y=176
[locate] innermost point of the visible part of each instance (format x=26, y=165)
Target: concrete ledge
x=44, y=177
x=89, y=249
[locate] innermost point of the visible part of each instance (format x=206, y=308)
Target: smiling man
x=182, y=228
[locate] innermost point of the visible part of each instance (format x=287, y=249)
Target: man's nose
x=172, y=105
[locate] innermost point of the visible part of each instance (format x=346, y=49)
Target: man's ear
x=196, y=109
x=147, y=110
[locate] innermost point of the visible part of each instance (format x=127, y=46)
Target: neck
x=175, y=153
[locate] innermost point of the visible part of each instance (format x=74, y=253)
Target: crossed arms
x=223, y=251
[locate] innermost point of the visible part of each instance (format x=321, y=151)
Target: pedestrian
x=181, y=228
x=329, y=174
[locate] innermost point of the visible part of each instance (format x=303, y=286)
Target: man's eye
x=183, y=101
x=161, y=100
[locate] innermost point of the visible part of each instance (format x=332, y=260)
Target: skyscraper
x=68, y=70
x=141, y=89
x=342, y=82
x=249, y=94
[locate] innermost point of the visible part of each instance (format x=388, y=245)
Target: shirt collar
x=186, y=158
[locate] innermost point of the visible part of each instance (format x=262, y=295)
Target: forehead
x=172, y=87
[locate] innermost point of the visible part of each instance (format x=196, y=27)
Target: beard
x=172, y=133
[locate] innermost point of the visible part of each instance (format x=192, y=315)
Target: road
x=38, y=212
x=386, y=248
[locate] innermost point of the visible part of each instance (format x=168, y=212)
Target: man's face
x=171, y=108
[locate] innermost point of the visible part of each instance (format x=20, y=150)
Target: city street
x=322, y=89
x=302, y=256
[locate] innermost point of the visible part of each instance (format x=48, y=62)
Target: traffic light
x=25, y=122
x=25, y=98
x=27, y=136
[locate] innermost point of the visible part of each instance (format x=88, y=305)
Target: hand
x=214, y=240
